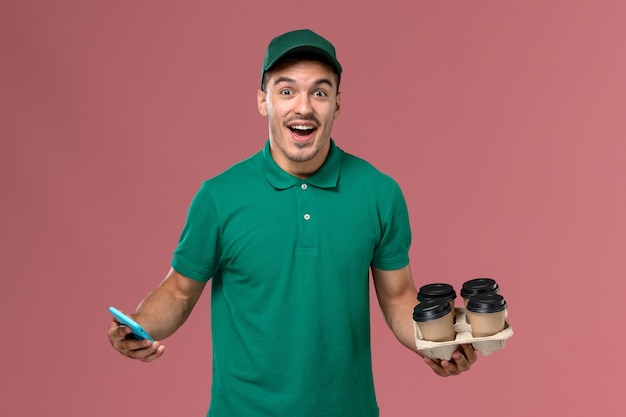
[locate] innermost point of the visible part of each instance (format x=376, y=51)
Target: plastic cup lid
x=438, y=291
x=431, y=310
x=479, y=286
x=486, y=303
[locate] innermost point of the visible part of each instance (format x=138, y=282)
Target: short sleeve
x=392, y=252
x=197, y=254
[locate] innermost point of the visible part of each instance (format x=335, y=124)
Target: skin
x=161, y=313
x=301, y=94
x=396, y=295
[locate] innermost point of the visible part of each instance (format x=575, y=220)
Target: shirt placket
x=306, y=216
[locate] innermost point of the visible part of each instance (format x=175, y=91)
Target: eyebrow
x=321, y=81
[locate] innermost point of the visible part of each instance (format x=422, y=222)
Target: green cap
x=302, y=41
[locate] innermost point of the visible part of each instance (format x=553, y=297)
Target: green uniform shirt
x=289, y=261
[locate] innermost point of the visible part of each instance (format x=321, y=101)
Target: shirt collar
x=325, y=177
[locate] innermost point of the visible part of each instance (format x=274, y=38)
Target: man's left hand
x=461, y=361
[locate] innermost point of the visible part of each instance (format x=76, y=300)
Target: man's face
x=301, y=102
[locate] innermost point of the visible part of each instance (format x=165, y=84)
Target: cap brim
x=307, y=50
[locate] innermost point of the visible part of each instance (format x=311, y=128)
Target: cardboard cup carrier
x=490, y=333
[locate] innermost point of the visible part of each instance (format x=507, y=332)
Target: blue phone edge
x=128, y=321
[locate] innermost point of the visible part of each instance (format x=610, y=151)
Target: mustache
x=303, y=119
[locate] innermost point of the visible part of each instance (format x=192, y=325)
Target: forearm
x=168, y=306
x=397, y=297
x=399, y=318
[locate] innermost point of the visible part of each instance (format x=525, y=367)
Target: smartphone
x=138, y=331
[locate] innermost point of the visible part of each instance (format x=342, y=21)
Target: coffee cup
x=486, y=314
x=434, y=321
x=438, y=292
x=478, y=286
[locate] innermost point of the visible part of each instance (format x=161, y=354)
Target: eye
x=320, y=93
x=286, y=92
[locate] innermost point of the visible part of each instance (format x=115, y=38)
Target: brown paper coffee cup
x=486, y=314
x=435, y=321
x=438, y=292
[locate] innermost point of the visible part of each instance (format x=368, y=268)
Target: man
x=288, y=237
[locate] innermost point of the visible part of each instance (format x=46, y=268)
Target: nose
x=303, y=105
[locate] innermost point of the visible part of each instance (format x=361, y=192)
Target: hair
x=295, y=57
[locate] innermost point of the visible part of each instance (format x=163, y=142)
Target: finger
x=117, y=335
x=462, y=360
x=158, y=352
x=450, y=367
x=435, y=365
x=149, y=353
x=457, y=364
x=117, y=331
x=469, y=352
x=136, y=349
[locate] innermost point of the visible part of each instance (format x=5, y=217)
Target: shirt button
x=307, y=216
x=304, y=186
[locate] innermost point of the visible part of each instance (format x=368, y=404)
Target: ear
x=338, y=105
x=261, y=99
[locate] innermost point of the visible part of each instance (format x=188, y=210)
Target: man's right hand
x=143, y=350
x=161, y=313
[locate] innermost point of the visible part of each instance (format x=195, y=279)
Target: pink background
x=504, y=122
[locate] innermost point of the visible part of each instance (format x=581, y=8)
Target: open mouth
x=302, y=130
